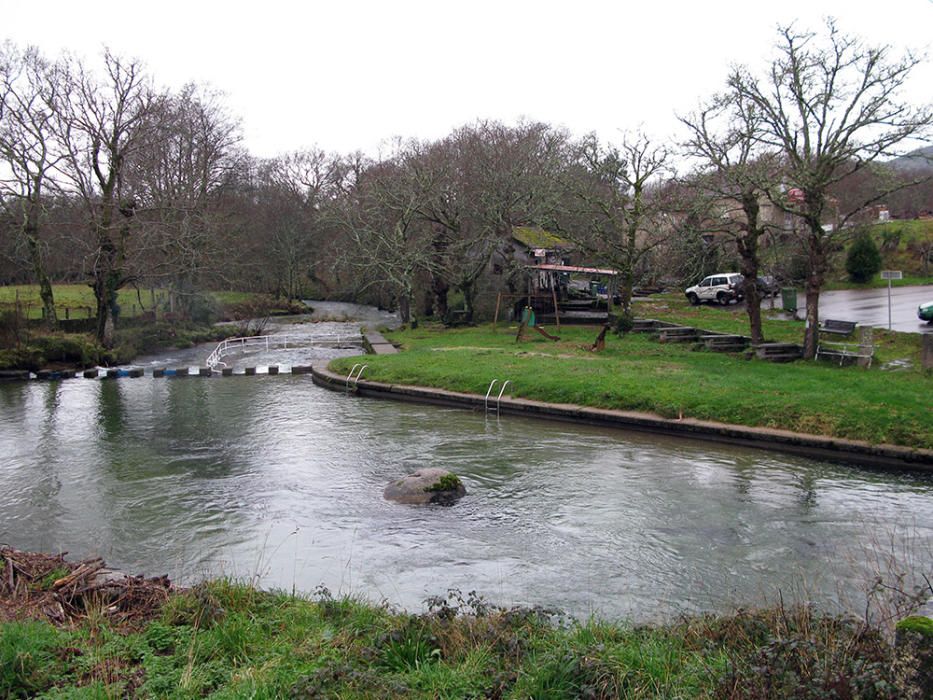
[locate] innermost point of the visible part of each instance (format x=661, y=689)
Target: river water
x=274, y=479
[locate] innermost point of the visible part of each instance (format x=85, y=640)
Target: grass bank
x=78, y=301
x=26, y=345
x=227, y=640
x=638, y=373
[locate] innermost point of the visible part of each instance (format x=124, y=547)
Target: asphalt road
x=869, y=307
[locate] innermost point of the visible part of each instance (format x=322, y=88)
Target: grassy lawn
x=79, y=299
x=223, y=640
x=878, y=283
x=638, y=373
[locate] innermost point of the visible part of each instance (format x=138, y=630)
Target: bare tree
x=30, y=91
x=485, y=179
x=732, y=180
x=103, y=126
x=381, y=219
x=296, y=194
x=617, y=208
x=831, y=105
x=178, y=175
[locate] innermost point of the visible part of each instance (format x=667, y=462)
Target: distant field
x=78, y=300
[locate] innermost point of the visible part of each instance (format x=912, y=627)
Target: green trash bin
x=789, y=299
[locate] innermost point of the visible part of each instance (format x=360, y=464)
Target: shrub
x=863, y=260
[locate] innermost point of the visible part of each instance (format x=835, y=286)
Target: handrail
x=275, y=340
x=501, y=392
x=356, y=379
x=346, y=383
x=488, y=392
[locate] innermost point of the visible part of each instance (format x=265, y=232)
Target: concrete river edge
x=816, y=446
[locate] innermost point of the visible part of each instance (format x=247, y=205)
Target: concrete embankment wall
x=819, y=447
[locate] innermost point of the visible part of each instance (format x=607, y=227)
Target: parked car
x=722, y=288
x=925, y=312
x=767, y=287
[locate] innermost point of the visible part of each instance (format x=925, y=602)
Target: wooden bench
x=835, y=327
x=859, y=351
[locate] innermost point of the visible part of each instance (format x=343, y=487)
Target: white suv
x=722, y=288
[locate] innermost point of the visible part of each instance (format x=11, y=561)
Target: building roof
x=538, y=238
x=575, y=268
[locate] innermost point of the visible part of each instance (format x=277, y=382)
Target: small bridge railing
x=280, y=342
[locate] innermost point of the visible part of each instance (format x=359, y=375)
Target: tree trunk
x=747, y=245
x=103, y=281
x=626, y=289
x=815, y=278
x=31, y=234
x=404, y=307
x=469, y=299
x=45, y=285
x=753, y=307
x=440, y=288
x=811, y=335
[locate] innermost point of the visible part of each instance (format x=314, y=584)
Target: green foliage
x=863, y=260
x=800, y=653
x=203, y=309
x=448, y=482
x=408, y=647
x=916, y=623
x=27, y=658
x=623, y=324
x=39, y=350
x=228, y=640
x=45, y=583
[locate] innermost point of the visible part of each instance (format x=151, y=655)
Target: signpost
x=891, y=275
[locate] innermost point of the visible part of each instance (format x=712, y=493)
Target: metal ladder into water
x=499, y=397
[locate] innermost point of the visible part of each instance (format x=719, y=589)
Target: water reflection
x=276, y=478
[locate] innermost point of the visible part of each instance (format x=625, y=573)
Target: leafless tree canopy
x=109, y=180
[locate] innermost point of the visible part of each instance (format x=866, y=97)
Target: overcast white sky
x=348, y=75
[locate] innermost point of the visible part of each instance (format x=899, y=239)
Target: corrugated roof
x=574, y=268
x=538, y=238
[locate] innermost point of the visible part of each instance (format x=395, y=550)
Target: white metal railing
x=354, y=376
x=498, y=398
x=280, y=342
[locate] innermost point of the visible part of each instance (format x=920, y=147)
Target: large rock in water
x=426, y=486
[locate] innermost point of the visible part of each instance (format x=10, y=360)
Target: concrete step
x=677, y=334
x=778, y=352
x=725, y=343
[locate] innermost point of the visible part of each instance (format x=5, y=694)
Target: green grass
x=225, y=640
x=79, y=300
x=878, y=283
x=672, y=380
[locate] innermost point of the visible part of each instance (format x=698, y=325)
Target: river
x=273, y=479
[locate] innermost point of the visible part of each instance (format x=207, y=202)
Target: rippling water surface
x=274, y=478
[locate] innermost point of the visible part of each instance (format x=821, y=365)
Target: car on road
x=925, y=312
x=723, y=287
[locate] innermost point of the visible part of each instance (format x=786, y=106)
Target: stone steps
x=778, y=352
x=677, y=334
x=721, y=342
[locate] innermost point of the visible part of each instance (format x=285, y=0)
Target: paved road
x=869, y=307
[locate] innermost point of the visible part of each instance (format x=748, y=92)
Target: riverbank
x=227, y=639
x=26, y=345
x=671, y=385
